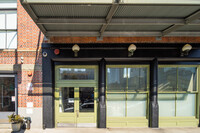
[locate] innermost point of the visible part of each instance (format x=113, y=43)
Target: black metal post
x=48, y=92
x=153, y=104
x=102, y=98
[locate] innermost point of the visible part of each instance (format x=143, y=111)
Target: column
x=153, y=104
x=102, y=99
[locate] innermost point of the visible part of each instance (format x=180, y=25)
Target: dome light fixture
x=75, y=48
x=131, y=50
x=186, y=49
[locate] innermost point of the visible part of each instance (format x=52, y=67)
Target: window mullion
x=6, y=30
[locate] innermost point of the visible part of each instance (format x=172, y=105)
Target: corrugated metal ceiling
x=71, y=11
x=118, y=18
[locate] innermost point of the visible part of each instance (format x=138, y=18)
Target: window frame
x=197, y=97
x=6, y=30
x=130, y=92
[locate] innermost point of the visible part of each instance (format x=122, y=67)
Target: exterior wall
x=29, y=48
x=125, y=40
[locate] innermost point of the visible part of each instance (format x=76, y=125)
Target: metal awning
x=115, y=18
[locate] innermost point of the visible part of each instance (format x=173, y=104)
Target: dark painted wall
x=100, y=50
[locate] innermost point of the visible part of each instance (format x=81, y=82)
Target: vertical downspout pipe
x=153, y=104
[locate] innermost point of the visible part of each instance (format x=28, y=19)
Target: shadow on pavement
x=21, y=131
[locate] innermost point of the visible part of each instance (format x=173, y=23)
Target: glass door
x=76, y=107
x=75, y=96
x=7, y=97
x=86, y=116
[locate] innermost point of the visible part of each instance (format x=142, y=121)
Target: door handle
x=77, y=113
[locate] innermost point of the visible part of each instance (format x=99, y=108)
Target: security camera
x=131, y=50
x=185, y=49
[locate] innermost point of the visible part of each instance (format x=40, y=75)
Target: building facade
x=20, y=64
x=105, y=64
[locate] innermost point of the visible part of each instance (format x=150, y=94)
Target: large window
x=8, y=25
x=127, y=91
x=177, y=87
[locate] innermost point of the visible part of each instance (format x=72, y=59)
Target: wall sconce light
x=75, y=48
x=185, y=49
x=131, y=50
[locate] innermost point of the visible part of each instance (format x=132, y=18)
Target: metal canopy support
x=192, y=17
x=119, y=34
x=188, y=20
x=116, y=21
x=112, y=11
x=170, y=29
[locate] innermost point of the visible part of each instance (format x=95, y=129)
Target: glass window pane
x=7, y=91
x=167, y=79
x=86, y=102
x=187, y=79
x=137, y=79
x=166, y=104
x=8, y=4
x=116, y=79
x=185, y=105
x=12, y=39
x=66, y=99
x=116, y=104
x=136, y=105
x=77, y=73
x=2, y=20
x=2, y=39
x=11, y=20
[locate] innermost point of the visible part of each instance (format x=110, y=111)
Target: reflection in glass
x=187, y=79
x=137, y=79
x=76, y=73
x=116, y=79
x=136, y=105
x=66, y=99
x=185, y=105
x=86, y=102
x=116, y=104
x=167, y=79
x=7, y=91
x=166, y=104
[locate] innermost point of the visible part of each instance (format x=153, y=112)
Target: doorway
x=8, y=93
x=76, y=96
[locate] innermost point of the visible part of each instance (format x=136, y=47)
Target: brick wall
x=30, y=39
x=29, y=47
x=124, y=40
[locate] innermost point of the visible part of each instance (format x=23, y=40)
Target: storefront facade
x=122, y=91
x=103, y=84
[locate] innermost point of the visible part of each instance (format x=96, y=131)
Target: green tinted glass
x=167, y=79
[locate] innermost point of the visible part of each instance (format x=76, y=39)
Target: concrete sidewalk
x=112, y=130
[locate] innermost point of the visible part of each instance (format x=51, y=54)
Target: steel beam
x=135, y=2
x=170, y=29
x=192, y=17
x=188, y=20
x=119, y=34
x=112, y=11
x=116, y=21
